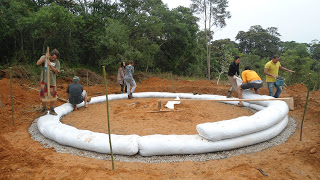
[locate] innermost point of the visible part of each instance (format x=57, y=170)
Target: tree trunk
x=219, y=76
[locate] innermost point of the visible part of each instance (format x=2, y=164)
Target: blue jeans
x=271, y=86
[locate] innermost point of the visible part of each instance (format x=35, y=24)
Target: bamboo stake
x=87, y=84
x=109, y=132
x=304, y=112
x=172, y=81
x=48, y=74
x=12, y=109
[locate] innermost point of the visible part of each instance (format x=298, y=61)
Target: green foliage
x=259, y=41
x=299, y=60
x=255, y=62
x=112, y=44
x=159, y=40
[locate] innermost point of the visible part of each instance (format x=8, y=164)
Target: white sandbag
x=194, y=144
x=269, y=116
x=238, y=80
x=52, y=128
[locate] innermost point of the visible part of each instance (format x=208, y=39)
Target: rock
x=313, y=150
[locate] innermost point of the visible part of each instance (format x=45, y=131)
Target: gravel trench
x=280, y=139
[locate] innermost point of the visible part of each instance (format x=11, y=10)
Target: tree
x=54, y=25
x=299, y=60
x=224, y=60
x=259, y=41
x=213, y=13
x=12, y=28
x=223, y=51
x=315, y=53
x=113, y=44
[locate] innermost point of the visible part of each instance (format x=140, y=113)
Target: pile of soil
x=23, y=158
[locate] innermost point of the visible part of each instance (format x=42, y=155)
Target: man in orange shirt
x=250, y=80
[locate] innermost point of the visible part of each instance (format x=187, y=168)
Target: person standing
x=250, y=80
x=271, y=70
x=76, y=94
x=121, y=74
x=233, y=70
x=53, y=64
x=128, y=79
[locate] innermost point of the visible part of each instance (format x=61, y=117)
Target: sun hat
x=76, y=79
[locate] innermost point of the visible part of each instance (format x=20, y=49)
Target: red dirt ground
x=23, y=158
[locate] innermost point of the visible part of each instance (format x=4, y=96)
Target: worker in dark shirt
x=233, y=70
x=76, y=94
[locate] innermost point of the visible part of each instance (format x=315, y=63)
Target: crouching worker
x=250, y=80
x=76, y=94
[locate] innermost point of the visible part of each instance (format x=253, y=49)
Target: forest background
x=91, y=34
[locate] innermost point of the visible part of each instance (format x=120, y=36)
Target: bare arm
x=42, y=59
x=266, y=72
x=285, y=69
x=52, y=68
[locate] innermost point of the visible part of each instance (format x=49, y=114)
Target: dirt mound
x=17, y=72
x=93, y=78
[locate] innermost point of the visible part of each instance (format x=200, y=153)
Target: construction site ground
x=23, y=158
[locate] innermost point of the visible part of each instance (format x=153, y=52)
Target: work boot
x=52, y=112
x=44, y=111
x=129, y=96
x=229, y=94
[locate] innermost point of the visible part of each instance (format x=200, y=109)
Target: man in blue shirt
x=76, y=94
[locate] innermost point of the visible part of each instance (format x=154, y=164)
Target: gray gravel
x=280, y=139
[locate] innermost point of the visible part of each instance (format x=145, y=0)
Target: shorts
x=44, y=90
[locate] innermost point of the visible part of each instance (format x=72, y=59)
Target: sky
x=296, y=20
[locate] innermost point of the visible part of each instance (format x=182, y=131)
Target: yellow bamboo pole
x=12, y=109
x=107, y=101
x=87, y=84
x=172, y=81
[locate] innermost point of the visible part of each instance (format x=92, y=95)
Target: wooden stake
x=12, y=109
x=48, y=98
x=87, y=84
x=107, y=101
x=172, y=81
x=48, y=74
x=305, y=110
x=159, y=105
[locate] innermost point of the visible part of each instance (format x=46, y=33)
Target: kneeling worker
x=76, y=94
x=250, y=80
